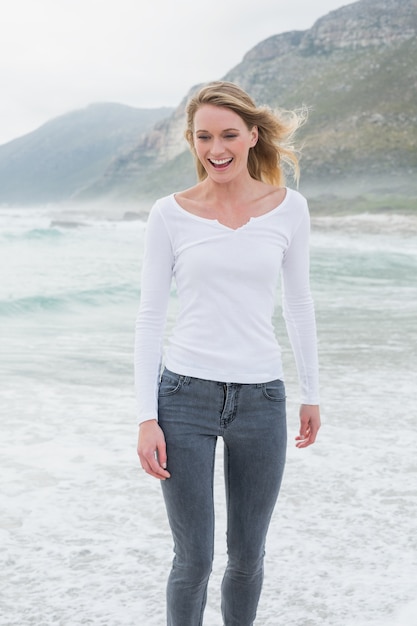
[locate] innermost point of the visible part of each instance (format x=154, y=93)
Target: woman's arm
x=151, y=319
x=156, y=279
x=299, y=315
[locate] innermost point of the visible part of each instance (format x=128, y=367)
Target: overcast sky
x=61, y=55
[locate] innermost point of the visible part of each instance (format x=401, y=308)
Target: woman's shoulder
x=160, y=212
x=273, y=196
x=164, y=201
x=192, y=196
x=194, y=200
x=162, y=205
x=296, y=203
x=296, y=196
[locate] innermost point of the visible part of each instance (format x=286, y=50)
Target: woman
x=226, y=241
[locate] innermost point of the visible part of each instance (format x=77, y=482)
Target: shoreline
x=378, y=223
x=370, y=213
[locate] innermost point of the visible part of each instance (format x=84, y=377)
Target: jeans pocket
x=274, y=390
x=170, y=383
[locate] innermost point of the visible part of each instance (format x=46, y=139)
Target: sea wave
x=37, y=303
x=379, y=223
x=47, y=233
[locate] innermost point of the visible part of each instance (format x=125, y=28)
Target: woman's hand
x=309, y=425
x=152, y=449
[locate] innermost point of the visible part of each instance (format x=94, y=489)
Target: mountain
x=70, y=152
x=356, y=71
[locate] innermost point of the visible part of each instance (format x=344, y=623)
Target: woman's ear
x=254, y=140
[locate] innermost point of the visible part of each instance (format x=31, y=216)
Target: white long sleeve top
x=226, y=282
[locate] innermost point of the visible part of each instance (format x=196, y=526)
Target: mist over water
x=83, y=534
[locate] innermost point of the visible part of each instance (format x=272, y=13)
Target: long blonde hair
x=276, y=130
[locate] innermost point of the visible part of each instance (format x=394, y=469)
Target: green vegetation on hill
x=355, y=70
x=363, y=112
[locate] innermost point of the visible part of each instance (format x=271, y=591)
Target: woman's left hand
x=309, y=425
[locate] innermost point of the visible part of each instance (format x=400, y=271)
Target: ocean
x=83, y=533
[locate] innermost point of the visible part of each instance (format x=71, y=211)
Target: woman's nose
x=217, y=146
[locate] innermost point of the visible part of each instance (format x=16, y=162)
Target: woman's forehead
x=209, y=115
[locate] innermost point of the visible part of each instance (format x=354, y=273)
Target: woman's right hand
x=152, y=449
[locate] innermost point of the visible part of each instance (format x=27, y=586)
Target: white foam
x=84, y=536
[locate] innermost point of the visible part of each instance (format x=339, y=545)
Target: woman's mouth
x=220, y=164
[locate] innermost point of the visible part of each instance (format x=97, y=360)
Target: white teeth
x=220, y=161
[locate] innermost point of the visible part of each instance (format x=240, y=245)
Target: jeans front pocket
x=274, y=390
x=170, y=383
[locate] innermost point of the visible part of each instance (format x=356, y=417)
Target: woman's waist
x=225, y=366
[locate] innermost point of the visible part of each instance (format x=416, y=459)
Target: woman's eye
x=203, y=137
x=230, y=136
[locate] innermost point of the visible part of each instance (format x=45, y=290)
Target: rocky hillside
x=356, y=70
x=70, y=152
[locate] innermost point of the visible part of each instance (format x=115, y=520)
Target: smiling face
x=222, y=142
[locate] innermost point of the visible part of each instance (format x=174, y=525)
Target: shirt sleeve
x=298, y=309
x=158, y=261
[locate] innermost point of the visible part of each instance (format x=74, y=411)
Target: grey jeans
x=251, y=418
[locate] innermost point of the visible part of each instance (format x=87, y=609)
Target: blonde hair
x=276, y=130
